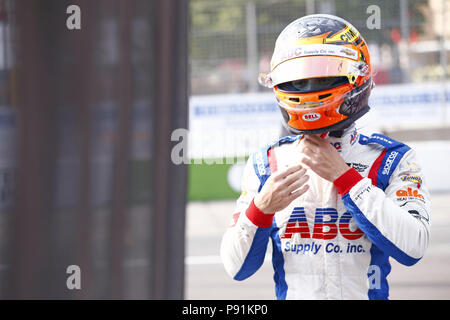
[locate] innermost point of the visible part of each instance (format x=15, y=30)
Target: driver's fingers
x=293, y=177
x=297, y=184
x=308, y=162
x=297, y=193
x=279, y=175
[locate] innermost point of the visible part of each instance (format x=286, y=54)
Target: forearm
x=392, y=228
x=244, y=245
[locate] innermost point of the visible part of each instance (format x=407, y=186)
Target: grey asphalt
x=207, y=279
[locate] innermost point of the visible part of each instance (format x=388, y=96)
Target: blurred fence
x=231, y=43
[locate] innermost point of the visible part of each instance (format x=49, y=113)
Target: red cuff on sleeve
x=259, y=218
x=346, y=181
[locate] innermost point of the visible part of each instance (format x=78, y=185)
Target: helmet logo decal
x=347, y=35
x=311, y=116
x=313, y=50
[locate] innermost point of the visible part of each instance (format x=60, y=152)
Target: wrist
x=340, y=171
x=258, y=217
x=347, y=180
x=259, y=204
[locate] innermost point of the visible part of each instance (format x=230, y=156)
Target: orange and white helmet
x=321, y=74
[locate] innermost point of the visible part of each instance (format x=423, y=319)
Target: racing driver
x=335, y=203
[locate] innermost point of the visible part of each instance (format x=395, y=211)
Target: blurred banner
x=86, y=179
x=236, y=125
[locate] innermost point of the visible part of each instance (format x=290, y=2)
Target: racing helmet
x=321, y=74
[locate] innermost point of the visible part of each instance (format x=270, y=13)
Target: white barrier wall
x=409, y=106
x=231, y=125
x=434, y=157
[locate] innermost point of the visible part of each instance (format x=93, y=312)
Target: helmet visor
x=312, y=84
x=295, y=102
x=316, y=67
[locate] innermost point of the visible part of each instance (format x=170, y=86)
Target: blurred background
x=87, y=110
x=87, y=176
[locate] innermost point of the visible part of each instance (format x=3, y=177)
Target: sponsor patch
x=413, y=178
x=389, y=161
x=337, y=146
x=358, y=166
x=347, y=35
x=327, y=225
x=353, y=137
x=410, y=166
x=408, y=194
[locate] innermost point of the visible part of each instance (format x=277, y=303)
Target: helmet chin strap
x=337, y=133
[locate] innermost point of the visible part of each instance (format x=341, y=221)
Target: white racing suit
x=334, y=241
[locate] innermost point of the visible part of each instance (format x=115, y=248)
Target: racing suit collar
x=345, y=140
x=342, y=135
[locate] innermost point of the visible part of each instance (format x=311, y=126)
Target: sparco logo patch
x=312, y=116
x=389, y=161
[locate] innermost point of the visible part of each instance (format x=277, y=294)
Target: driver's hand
x=281, y=188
